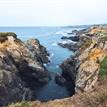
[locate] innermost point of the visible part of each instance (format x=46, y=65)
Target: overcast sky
x=52, y=12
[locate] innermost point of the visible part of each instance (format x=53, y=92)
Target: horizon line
x=53, y=25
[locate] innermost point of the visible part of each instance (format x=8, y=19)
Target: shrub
x=103, y=68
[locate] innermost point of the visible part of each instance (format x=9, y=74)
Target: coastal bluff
x=87, y=68
x=84, y=67
x=21, y=68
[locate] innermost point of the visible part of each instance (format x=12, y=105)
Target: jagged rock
x=38, y=50
x=70, y=46
x=12, y=88
x=20, y=70
x=84, y=67
x=68, y=68
x=74, y=31
x=78, y=44
x=60, y=80
x=73, y=38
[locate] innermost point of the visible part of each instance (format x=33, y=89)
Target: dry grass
x=97, y=98
x=85, y=45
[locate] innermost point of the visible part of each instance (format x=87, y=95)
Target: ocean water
x=49, y=37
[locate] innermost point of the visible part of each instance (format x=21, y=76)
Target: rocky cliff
x=96, y=98
x=21, y=68
x=88, y=71
x=83, y=67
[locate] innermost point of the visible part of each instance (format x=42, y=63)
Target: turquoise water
x=48, y=36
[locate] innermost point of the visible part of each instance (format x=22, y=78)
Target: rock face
x=88, y=67
x=83, y=67
x=21, y=68
x=38, y=50
x=77, y=40
x=60, y=80
x=73, y=38
x=70, y=46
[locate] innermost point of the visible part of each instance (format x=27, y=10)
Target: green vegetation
x=3, y=36
x=102, y=39
x=103, y=68
x=8, y=34
x=104, y=33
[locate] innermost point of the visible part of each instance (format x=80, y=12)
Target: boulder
x=60, y=80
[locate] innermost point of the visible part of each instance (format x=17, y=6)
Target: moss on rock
x=3, y=36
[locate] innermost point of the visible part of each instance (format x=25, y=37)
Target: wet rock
x=70, y=46
x=70, y=33
x=68, y=69
x=74, y=32
x=60, y=80
x=73, y=38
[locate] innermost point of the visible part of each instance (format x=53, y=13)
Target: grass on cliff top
x=103, y=68
x=85, y=45
x=8, y=34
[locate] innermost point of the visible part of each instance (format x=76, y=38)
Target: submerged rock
x=20, y=69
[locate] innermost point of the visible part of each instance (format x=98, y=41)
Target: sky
x=52, y=12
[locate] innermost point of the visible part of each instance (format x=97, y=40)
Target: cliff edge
x=21, y=68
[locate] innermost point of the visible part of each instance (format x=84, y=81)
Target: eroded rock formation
x=21, y=68
x=83, y=67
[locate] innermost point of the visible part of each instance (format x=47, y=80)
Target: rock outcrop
x=73, y=38
x=60, y=80
x=70, y=46
x=77, y=40
x=83, y=67
x=21, y=68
